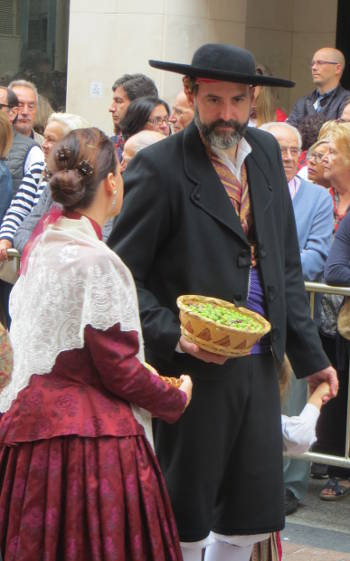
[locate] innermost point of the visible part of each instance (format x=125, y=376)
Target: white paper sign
x=95, y=89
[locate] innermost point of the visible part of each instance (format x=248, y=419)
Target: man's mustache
x=221, y=123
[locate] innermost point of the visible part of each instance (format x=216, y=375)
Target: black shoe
x=291, y=503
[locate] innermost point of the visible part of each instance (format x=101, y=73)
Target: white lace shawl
x=72, y=280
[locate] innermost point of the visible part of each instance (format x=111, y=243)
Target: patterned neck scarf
x=238, y=193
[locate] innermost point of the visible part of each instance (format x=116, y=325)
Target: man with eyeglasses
x=313, y=212
x=328, y=98
x=25, y=153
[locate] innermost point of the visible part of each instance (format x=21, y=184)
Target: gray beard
x=214, y=140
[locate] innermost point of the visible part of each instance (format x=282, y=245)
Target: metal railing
x=313, y=288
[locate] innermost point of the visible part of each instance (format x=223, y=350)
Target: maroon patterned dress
x=78, y=479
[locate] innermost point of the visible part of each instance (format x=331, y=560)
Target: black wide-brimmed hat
x=226, y=63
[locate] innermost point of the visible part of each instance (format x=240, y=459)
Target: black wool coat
x=178, y=234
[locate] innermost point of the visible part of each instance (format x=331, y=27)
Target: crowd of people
x=222, y=194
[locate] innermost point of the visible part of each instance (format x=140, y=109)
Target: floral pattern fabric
x=85, y=499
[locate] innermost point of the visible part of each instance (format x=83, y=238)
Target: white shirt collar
x=243, y=150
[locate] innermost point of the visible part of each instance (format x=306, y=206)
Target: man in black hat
x=207, y=211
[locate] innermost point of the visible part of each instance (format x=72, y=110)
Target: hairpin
x=63, y=154
x=85, y=168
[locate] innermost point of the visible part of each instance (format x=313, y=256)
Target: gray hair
x=69, y=121
x=144, y=138
x=274, y=124
x=24, y=84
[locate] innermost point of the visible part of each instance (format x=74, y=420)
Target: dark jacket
x=332, y=106
x=178, y=234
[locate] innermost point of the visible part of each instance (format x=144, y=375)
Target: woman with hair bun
x=78, y=476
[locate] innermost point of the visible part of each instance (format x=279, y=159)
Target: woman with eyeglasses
x=146, y=113
x=314, y=167
x=332, y=422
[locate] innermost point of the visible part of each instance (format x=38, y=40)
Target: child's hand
x=320, y=395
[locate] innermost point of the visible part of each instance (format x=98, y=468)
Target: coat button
x=237, y=297
x=243, y=259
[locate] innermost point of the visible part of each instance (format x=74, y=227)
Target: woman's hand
x=186, y=386
x=4, y=246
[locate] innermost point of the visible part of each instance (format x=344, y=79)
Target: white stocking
x=220, y=551
x=191, y=554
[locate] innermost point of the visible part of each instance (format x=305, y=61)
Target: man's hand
x=4, y=246
x=193, y=349
x=326, y=375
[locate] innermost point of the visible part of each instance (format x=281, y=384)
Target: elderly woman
x=314, y=170
x=331, y=426
x=146, y=113
x=33, y=183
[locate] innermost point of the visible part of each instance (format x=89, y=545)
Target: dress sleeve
x=114, y=354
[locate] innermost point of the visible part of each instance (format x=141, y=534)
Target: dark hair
x=12, y=99
x=138, y=113
x=77, y=165
x=309, y=127
x=136, y=85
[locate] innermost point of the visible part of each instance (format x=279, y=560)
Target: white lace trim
x=72, y=280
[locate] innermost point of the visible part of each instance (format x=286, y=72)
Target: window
x=33, y=46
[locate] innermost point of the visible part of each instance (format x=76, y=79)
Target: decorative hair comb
x=85, y=168
x=63, y=154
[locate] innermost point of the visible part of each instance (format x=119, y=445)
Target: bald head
x=327, y=68
x=182, y=113
x=137, y=142
x=289, y=139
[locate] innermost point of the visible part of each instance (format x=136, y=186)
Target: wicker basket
x=216, y=338
x=172, y=381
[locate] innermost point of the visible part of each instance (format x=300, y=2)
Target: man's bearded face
x=221, y=112
x=215, y=135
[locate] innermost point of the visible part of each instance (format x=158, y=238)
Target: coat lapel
x=208, y=193
x=261, y=194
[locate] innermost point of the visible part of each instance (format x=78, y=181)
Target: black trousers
x=223, y=459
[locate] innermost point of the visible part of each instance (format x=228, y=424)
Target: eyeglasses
x=3, y=105
x=322, y=62
x=293, y=151
x=159, y=120
x=315, y=156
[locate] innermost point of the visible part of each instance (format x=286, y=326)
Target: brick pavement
x=297, y=552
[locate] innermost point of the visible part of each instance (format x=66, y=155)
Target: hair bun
x=67, y=187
